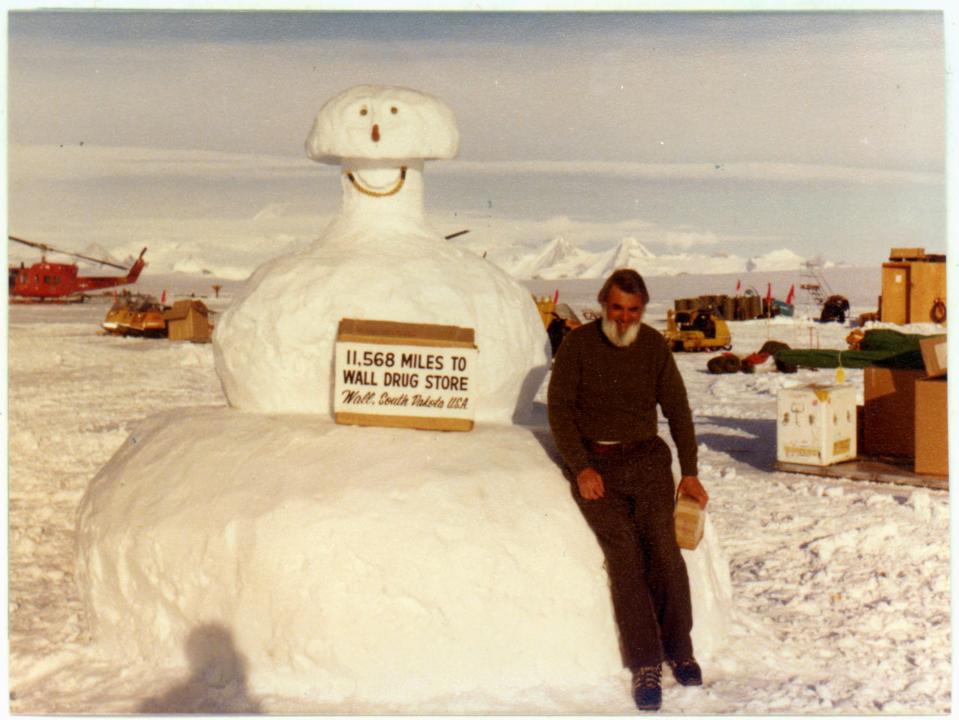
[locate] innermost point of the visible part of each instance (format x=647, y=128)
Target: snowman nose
x=376, y=133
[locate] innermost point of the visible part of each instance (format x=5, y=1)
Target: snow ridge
x=557, y=258
x=560, y=259
x=629, y=253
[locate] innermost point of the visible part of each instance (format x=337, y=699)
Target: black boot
x=647, y=687
x=687, y=672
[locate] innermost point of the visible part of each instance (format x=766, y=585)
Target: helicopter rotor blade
x=456, y=234
x=91, y=259
x=39, y=246
x=47, y=248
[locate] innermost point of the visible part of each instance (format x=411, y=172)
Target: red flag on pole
x=555, y=296
x=738, y=285
x=769, y=292
x=163, y=296
x=791, y=295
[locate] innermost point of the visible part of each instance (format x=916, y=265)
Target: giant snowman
x=365, y=569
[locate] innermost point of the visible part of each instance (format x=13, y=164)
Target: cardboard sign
x=404, y=375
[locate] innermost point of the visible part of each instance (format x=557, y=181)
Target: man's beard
x=619, y=339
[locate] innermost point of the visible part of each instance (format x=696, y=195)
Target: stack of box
x=905, y=412
x=905, y=416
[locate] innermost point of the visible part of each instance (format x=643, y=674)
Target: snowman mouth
x=367, y=189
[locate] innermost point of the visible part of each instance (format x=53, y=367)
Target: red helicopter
x=59, y=282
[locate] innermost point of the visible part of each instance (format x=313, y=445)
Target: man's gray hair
x=627, y=280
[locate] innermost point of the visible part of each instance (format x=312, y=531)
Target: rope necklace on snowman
x=379, y=193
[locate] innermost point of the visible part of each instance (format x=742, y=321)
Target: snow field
x=73, y=395
x=853, y=578
x=840, y=588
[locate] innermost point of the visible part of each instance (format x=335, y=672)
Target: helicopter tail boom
x=98, y=283
x=136, y=268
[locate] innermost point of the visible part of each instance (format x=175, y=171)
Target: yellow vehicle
x=695, y=330
x=139, y=315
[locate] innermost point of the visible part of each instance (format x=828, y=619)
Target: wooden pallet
x=882, y=470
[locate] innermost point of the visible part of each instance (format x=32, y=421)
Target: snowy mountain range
x=561, y=259
x=233, y=253
x=557, y=253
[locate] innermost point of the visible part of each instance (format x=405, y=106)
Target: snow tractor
x=696, y=330
x=835, y=308
x=136, y=314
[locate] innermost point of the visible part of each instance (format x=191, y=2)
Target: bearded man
x=608, y=377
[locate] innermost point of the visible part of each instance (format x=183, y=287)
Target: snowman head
x=377, y=122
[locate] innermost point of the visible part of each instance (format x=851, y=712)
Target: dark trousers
x=633, y=523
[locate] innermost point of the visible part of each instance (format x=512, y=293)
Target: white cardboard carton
x=816, y=424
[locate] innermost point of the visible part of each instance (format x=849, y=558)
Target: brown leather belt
x=618, y=448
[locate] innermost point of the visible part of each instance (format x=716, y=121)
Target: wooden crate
x=927, y=284
x=910, y=289
x=910, y=253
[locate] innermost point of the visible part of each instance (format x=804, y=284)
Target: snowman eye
x=394, y=110
x=363, y=111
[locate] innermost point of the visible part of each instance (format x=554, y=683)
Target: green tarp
x=885, y=348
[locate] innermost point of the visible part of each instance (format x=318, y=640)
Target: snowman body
x=275, y=346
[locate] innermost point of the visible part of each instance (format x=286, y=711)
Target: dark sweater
x=602, y=392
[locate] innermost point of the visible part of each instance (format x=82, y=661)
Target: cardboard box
x=932, y=419
x=889, y=422
x=816, y=424
x=933, y=349
x=690, y=520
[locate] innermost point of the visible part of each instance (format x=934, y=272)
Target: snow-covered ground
x=841, y=588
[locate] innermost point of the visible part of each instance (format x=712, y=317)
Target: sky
x=724, y=132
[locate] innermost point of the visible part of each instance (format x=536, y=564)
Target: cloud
x=855, y=89
x=690, y=239
x=752, y=171
x=78, y=162
x=239, y=206
x=87, y=162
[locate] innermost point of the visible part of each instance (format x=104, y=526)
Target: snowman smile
x=367, y=188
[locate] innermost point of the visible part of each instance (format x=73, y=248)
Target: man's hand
x=590, y=484
x=690, y=485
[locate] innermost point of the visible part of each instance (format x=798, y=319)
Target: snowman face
x=382, y=123
x=373, y=119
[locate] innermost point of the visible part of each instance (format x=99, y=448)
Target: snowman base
x=361, y=569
